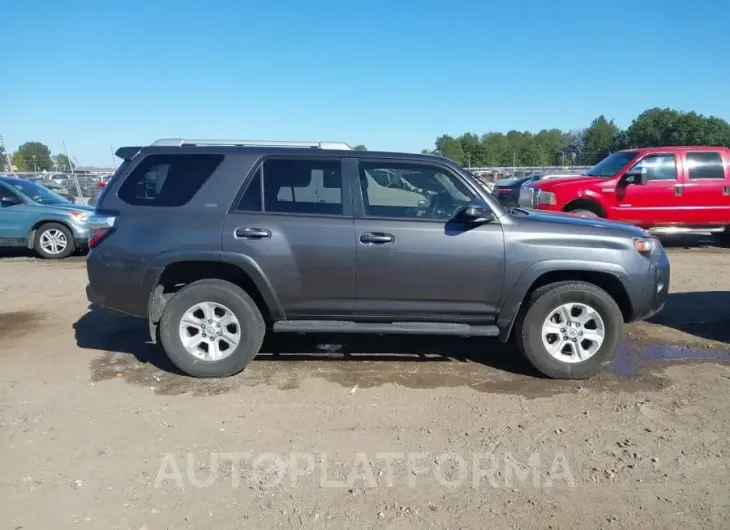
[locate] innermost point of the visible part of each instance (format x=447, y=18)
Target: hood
x=564, y=221
x=547, y=184
x=69, y=207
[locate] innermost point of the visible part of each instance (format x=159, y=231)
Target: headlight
x=649, y=247
x=80, y=216
x=546, y=197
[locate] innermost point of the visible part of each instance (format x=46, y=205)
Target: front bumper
x=649, y=291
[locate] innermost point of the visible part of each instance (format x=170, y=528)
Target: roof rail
x=179, y=142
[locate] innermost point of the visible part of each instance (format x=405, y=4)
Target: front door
x=294, y=220
x=655, y=203
x=415, y=261
x=13, y=218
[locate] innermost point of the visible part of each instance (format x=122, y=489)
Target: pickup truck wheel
x=54, y=241
x=211, y=328
x=571, y=330
x=585, y=213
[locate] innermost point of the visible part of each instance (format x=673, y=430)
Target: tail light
x=100, y=227
x=504, y=190
x=101, y=184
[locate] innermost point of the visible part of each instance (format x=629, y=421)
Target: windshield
x=611, y=165
x=36, y=192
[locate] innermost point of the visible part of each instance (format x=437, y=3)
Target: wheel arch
x=607, y=276
x=238, y=269
x=45, y=221
x=587, y=203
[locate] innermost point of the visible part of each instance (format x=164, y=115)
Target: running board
x=394, y=328
x=684, y=230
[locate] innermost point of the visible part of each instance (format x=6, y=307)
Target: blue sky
x=389, y=74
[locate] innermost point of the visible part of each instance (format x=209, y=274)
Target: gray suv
x=214, y=242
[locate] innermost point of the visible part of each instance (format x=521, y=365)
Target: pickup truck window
x=609, y=166
x=658, y=167
x=705, y=166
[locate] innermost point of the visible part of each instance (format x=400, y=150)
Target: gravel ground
x=98, y=431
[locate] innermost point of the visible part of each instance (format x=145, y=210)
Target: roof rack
x=179, y=142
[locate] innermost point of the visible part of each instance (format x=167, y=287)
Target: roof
x=675, y=148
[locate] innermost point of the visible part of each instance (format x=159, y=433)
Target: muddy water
x=369, y=362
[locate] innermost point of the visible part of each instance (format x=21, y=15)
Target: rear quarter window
x=168, y=180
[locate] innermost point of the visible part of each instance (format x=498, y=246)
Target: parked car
x=34, y=217
x=664, y=189
x=214, y=242
x=508, y=190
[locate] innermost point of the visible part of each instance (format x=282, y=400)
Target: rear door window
x=707, y=165
x=296, y=186
x=168, y=180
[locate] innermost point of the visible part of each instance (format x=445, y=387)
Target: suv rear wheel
x=571, y=330
x=211, y=328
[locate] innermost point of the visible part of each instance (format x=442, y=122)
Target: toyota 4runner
x=214, y=242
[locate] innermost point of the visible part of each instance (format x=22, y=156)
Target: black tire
x=253, y=328
x=70, y=241
x=723, y=238
x=585, y=213
x=542, y=302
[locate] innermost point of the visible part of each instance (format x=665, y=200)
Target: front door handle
x=677, y=191
x=251, y=233
x=376, y=238
x=726, y=190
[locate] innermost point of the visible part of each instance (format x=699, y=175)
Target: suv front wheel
x=211, y=328
x=571, y=330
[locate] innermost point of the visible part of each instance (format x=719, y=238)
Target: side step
x=670, y=230
x=394, y=328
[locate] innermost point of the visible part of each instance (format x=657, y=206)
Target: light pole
x=35, y=166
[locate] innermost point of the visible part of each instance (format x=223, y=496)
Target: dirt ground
x=98, y=431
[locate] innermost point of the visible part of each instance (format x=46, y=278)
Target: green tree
x=660, y=127
x=599, y=139
x=360, y=147
x=450, y=147
x=19, y=163
x=63, y=163
x=36, y=155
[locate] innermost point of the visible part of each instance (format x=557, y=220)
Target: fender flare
x=245, y=263
x=518, y=291
x=590, y=195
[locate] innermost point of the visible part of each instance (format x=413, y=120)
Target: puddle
x=369, y=362
x=633, y=358
x=18, y=323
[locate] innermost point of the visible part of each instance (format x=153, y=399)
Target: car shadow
x=104, y=330
x=702, y=314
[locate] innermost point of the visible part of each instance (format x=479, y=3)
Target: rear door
x=659, y=201
x=707, y=187
x=294, y=219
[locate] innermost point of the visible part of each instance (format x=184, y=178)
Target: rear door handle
x=376, y=238
x=251, y=233
x=726, y=190
x=677, y=191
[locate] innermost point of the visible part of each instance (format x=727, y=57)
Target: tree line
x=34, y=156
x=552, y=147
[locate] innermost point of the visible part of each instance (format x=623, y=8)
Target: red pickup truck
x=662, y=189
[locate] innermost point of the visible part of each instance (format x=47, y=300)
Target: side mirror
x=636, y=175
x=9, y=200
x=477, y=212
